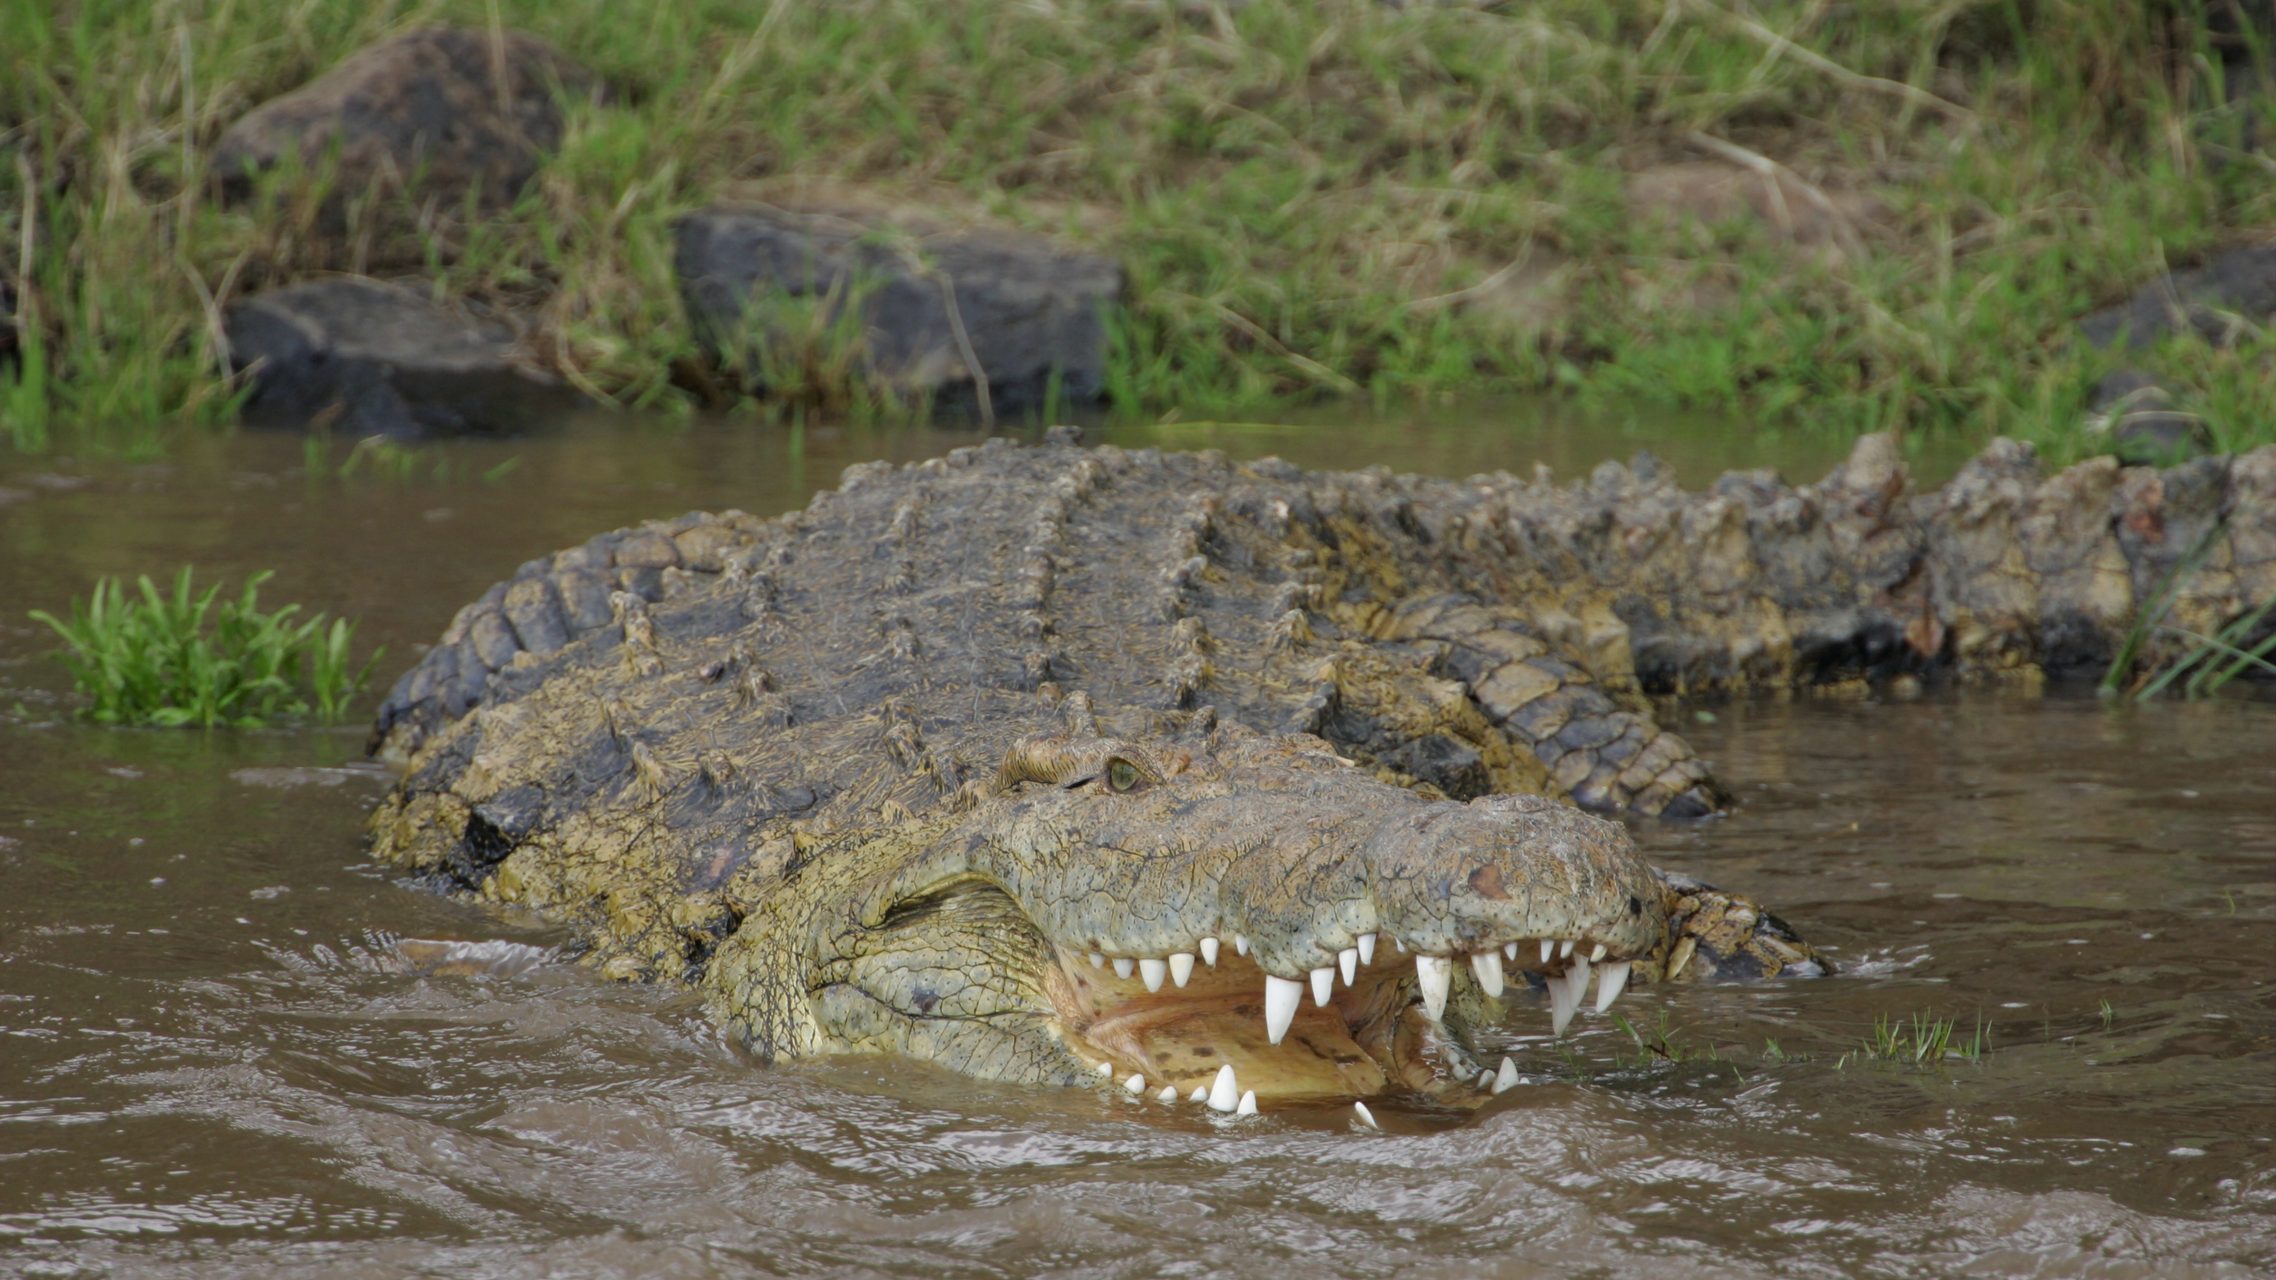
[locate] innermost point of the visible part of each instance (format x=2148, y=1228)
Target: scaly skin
x=912, y=770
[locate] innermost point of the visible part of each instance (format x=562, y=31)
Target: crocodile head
x=1255, y=915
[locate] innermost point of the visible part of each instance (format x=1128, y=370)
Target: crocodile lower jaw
x=1212, y=1026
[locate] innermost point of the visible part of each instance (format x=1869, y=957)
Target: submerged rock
x=437, y=114
x=378, y=359
x=929, y=313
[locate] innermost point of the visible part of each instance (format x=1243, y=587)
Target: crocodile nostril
x=1635, y=905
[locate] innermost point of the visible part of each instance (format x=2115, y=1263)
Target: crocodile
x=1213, y=780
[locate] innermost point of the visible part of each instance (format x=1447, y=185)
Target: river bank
x=1857, y=220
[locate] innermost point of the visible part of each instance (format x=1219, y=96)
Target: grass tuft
x=2203, y=663
x=393, y=462
x=1921, y=1040
x=1665, y=1044
x=184, y=657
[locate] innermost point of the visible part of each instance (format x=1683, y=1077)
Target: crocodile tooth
x=1561, y=1004
x=1509, y=952
x=1123, y=965
x=1347, y=961
x=1169, y=1093
x=1248, y=1105
x=1487, y=965
x=1548, y=949
x=1181, y=967
x=1208, y=953
x=1485, y=1078
x=1681, y=956
x=1240, y=945
x=1225, y=1093
x=1597, y=954
x=1106, y=1068
x=1565, y=948
x=1366, y=1117
x=1576, y=987
x=1153, y=971
x=1200, y=1093
x=1366, y=949
x=1136, y=1084
x=1577, y=978
x=1505, y=1078
x=1097, y=961
x=1610, y=982
x=1436, y=973
x=1323, y=984
x=1281, y=997
x=1400, y=945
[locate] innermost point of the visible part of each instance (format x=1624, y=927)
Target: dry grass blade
x=1784, y=47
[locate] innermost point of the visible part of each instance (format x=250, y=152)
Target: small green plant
x=394, y=463
x=808, y=353
x=24, y=393
x=388, y=460
x=2109, y=1015
x=2211, y=661
x=1665, y=1044
x=1920, y=1040
x=185, y=657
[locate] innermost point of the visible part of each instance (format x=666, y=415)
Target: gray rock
x=1030, y=310
x=377, y=359
x=2239, y=285
x=2230, y=296
x=2144, y=426
x=436, y=114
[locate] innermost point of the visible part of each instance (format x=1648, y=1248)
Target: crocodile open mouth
x=1211, y=1025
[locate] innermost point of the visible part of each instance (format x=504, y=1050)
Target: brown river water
x=230, y=1046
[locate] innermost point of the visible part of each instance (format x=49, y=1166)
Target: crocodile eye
x=1121, y=775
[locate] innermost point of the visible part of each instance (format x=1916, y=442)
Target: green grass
x=1312, y=198
x=2210, y=662
x=2157, y=652
x=394, y=462
x=1920, y=1040
x=185, y=657
x=807, y=353
x=1665, y=1044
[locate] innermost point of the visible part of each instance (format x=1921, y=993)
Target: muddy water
x=230, y=1047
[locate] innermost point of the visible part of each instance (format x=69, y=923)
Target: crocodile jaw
x=1182, y=1037
x=1377, y=1033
